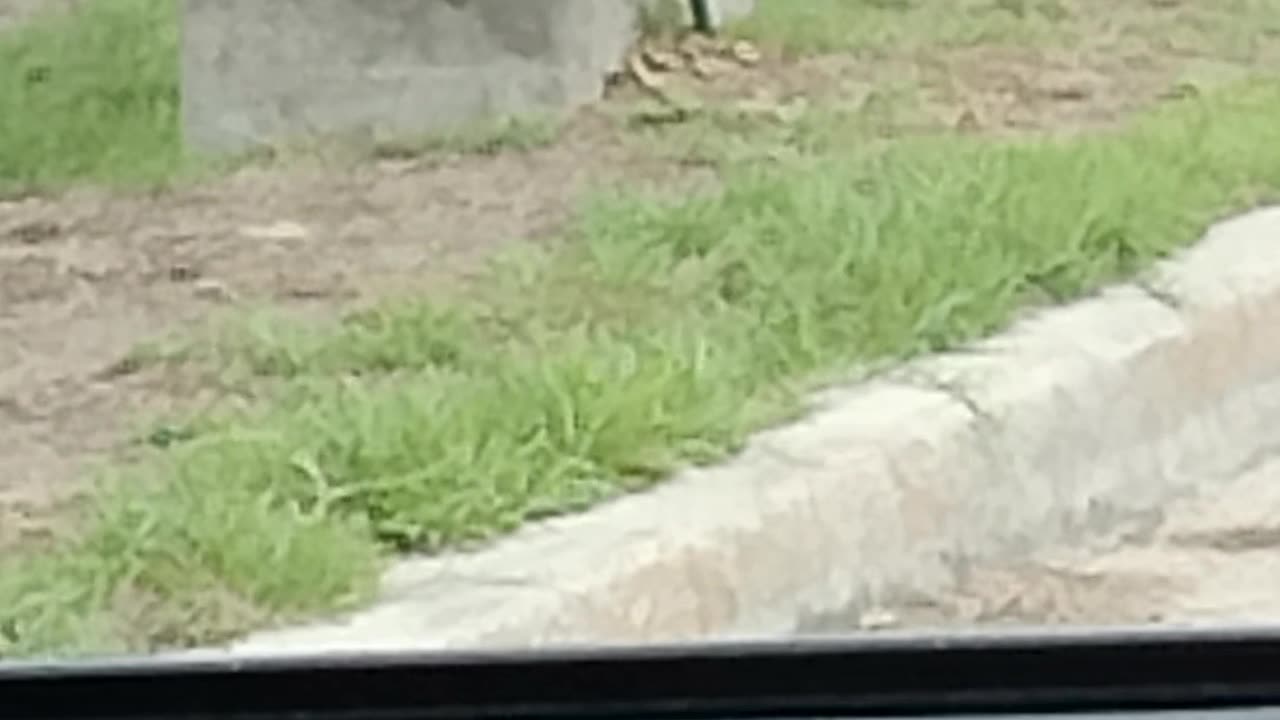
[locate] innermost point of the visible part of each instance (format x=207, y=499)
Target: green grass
x=1230, y=29
x=820, y=26
x=662, y=334
x=91, y=94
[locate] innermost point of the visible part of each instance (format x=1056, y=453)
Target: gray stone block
x=257, y=72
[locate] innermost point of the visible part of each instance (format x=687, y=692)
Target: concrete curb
x=1078, y=417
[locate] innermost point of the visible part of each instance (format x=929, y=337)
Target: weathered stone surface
x=258, y=72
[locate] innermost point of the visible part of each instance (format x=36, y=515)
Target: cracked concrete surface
x=1209, y=559
x=1108, y=421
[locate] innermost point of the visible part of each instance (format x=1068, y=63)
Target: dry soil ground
x=87, y=275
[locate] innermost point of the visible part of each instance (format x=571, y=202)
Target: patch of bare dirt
x=86, y=276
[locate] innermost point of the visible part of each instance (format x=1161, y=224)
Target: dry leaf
x=707, y=67
x=641, y=73
x=661, y=60
x=745, y=53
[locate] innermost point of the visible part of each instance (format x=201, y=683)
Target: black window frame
x=1037, y=672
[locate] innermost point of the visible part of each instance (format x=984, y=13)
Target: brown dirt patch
x=87, y=275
